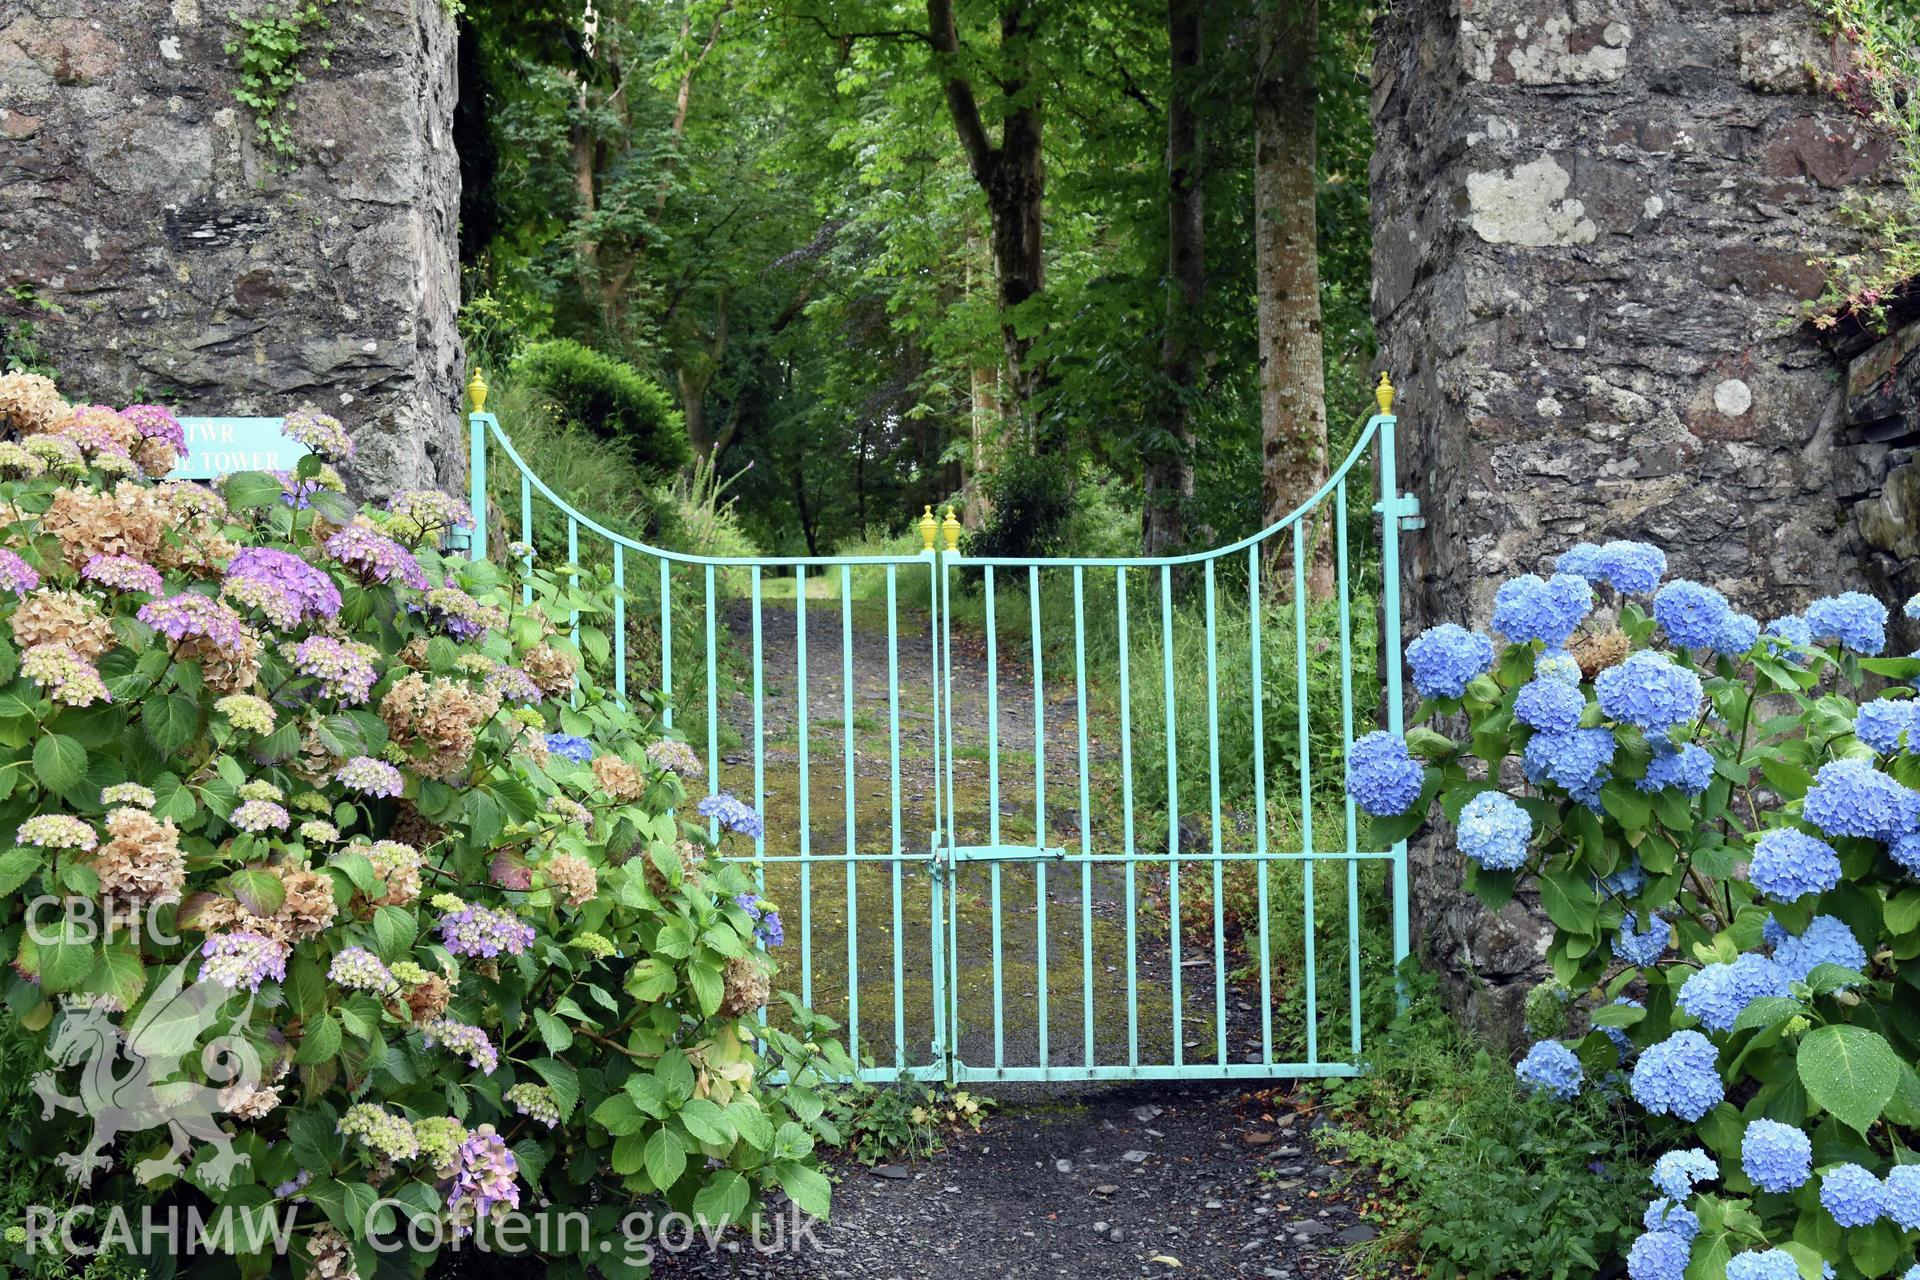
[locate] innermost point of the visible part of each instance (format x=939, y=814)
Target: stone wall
x=159, y=253
x=1590, y=222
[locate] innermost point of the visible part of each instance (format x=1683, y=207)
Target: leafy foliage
x=369, y=825
x=610, y=398
x=1768, y=982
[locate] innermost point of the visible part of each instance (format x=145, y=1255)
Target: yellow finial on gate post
x=952, y=527
x=1383, y=394
x=477, y=391
x=929, y=527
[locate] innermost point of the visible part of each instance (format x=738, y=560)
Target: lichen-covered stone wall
x=159, y=253
x=1592, y=226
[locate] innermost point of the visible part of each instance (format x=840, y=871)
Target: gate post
x=1390, y=518
x=477, y=421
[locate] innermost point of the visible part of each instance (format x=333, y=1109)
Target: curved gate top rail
x=933, y=878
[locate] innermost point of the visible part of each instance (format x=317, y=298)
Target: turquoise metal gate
x=971, y=774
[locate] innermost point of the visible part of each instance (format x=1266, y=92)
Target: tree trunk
x=1169, y=471
x=1293, y=411
x=1012, y=176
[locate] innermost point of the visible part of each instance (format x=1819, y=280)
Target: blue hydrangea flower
x=1659, y=1255
x=1716, y=993
x=1788, y=865
x=1664, y=1215
x=1855, y=621
x=1690, y=768
x=1627, y=880
x=1903, y=1196
x=1494, y=831
x=1788, y=634
x=1381, y=777
x=1769, y=1264
x=1690, y=614
x=1576, y=762
x=1852, y=798
x=1676, y=1172
x=570, y=746
x=1621, y=1040
x=1557, y=664
x=1906, y=852
x=1827, y=940
x=1552, y=1067
x=1446, y=658
x=1550, y=705
x=1650, y=690
x=1738, y=634
x=1643, y=948
x=1628, y=567
x=1778, y=1157
x=1530, y=608
x=732, y=815
x=1913, y=1272
x=1680, y=1076
x=1913, y=606
x=1852, y=1195
x=1881, y=723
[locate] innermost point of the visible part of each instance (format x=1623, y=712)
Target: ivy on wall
x=270, y=50
x=1877, y=76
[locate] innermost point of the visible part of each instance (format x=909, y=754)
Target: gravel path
x=1131, y=1181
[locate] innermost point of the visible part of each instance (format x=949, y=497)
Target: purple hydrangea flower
x=122, y=573
x=281, y=585
x=374, y=555
x=16, y=575
x=196, y=617
x=732, y=815
x=766, y=921
x=243, y=959
x=483, y=1180
x=480, y=931
x=344, y=668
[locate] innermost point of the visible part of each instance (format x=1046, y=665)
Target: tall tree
x=1169, y=468
x=1011, y=173
x=1293, y=407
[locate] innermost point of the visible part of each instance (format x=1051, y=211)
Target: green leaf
x=1569, y=900
x=707, y=1122
x=561, y=1080
x=722, y=1200
x=260, y=892
x=171, y=720
x=676, y=1073
x=709, y=985
x=557, y=1036
x=119, y=976
x=249, y=490
x=393, y=930
x=1617, y=1015
x=59, y=761
x=618, y=1116
x=65, y=962
x=17, y=867
x=751, y=1123
x=1850, y=1071
x=666, y=1158
x=1631, y=809
x=647, y=1093
x=320, y=1043
x=809, y=1188
x=1767, y=1011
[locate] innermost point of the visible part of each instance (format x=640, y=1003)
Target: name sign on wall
x=222, y=446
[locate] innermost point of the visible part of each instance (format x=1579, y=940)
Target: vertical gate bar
x=573, y=576
x=936, y=897
x=713, y=704
x=1039, y=802
x=666, y=641
x=620, y=625
x=1086, y=820
x=1255, y=621
x=477, y=482
x=759, y=737
x=1390, y=660
x=993, y=822
x=951, y=921
x=853, y=867
x=893, y=780
x=1126, y=816
x=526, y=535
x=1219, y=872
x=1173, y=814
x=1308, y=865
x=806, y=781
x=1346, y=746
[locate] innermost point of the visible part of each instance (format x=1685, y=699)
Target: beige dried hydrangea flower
x=618, y=779
x=123, y=522
x=30, y=403
x=572, y=878
x=552, y=671
x=442, y=715
x=747, y=987
x=62, y=618
x=141, y=859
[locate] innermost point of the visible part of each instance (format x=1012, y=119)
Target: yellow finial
x=929, y=527
x=951, y=525
x=477, y=391
x=1384, y=393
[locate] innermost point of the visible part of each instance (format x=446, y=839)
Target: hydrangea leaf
x=250, y=490
x=561, y=1080
x=722, y=1200
x=320, y=1043
x=1569, y=901
x=59, y=761
x=1850, y=1071
x=666, y=1158
x=260, y=892
x=808, y=1187
x=393, y=931
x=1875, y=1249
x=17, y=866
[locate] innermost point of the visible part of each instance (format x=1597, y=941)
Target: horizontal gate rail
x=952, y=947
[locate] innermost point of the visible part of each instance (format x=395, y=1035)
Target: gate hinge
x=1406, y=507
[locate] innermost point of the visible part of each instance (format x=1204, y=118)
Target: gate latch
x=1007, y=853
x=1406, y=508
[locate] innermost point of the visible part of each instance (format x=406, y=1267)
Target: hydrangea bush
x=1722, y=821
x=294, y=782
